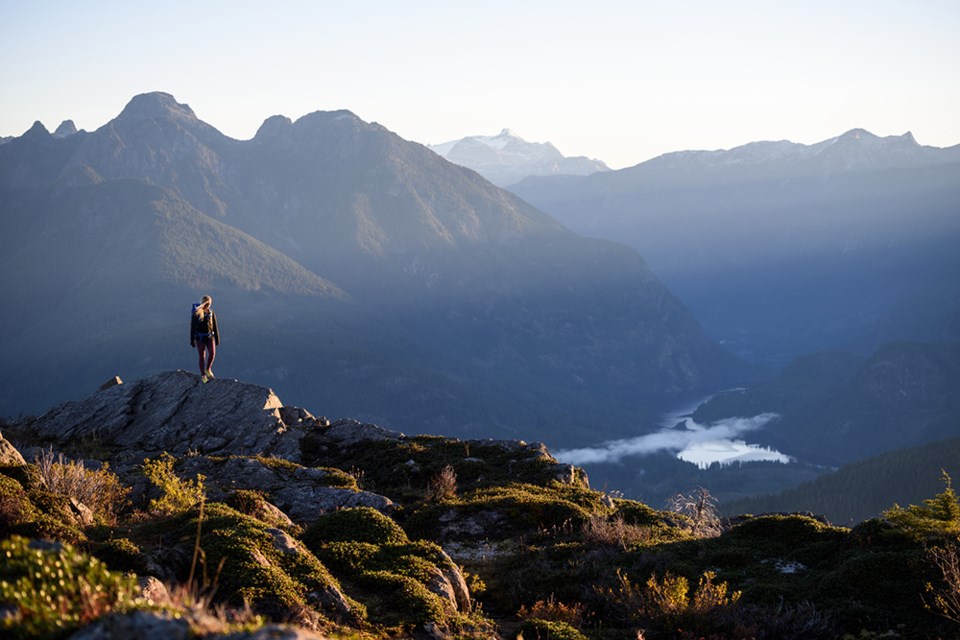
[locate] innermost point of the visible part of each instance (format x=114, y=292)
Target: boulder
x=284, y=542
x=143, y=625
x=9, y=456
x=450, y=584
x=82, y=514
x=275, y=632
x=349, y=432
x=269, y=513
x=303, y=493
x=112, y=382
x=153, y=590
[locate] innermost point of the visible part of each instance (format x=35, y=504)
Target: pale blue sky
x=619, y=81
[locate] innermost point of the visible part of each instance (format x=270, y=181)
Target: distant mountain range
x=782, y=249
x=506, y=158
x=370, y=276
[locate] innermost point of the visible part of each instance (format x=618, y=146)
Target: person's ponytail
x=203, y=307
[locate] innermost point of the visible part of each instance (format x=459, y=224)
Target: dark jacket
x=204, y=328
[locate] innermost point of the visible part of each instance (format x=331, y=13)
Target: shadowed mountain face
x=362, y=274
x=782, y=249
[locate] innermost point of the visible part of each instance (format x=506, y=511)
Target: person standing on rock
x=204, y=335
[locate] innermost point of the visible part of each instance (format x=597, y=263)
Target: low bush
x=99, y=490
x=53, y=589
x=176, y=495
x=442, y=486
x=553, y=610
x=937, y=516
x=360, y=524
x=395, y=599
x=614, y=532
x=537, y=629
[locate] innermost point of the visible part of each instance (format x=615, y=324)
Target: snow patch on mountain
x=506, y=158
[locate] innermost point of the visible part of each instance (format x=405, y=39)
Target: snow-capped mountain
x=506, y=158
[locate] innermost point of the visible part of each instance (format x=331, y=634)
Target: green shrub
x=668, y=602
x=937, y=516
x=253, y=569
x=518, y=507
x=400, y=600
x=361, y=524
x=554, y=610
x=390, y=579
x=537, y=629
x=176, y=495
x=121, y=554
x=778, y=535
x=52, y=520
x=637, y=513
x=54, y=589
x=346, y=557
x=15, y=506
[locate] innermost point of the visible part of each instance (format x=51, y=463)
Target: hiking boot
x=210, y=374
x=203, y=379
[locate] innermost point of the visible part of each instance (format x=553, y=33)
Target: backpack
x=204, y=326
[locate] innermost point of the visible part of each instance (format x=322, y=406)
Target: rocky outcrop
x=176, y=413
x=162, y=625
x=9, y=456
x=303, y=493
x=448, y=582
x=349, y=432
x=145, y=625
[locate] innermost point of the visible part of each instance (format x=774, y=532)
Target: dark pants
x=207, y=349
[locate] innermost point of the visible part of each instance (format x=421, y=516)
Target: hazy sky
x=619, y=81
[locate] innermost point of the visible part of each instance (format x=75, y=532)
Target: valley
x=368, y=276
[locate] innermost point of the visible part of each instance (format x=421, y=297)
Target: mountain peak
x=37, y=131
x=273, y=127
x=857, y=134
x=506, y=158
x=149, y=106
x=66, y=128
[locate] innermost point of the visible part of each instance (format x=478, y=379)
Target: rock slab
x=176, y=413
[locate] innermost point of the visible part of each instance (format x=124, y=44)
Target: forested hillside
x=864, y=489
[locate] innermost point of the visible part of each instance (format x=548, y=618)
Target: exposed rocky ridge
x=238, y=435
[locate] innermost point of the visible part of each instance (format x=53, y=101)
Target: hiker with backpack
x=204, y=335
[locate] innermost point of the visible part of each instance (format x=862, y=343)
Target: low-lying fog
x=700, y=444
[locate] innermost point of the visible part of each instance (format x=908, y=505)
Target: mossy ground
x=402, y=469
x=565, y=543
x=376, y=561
